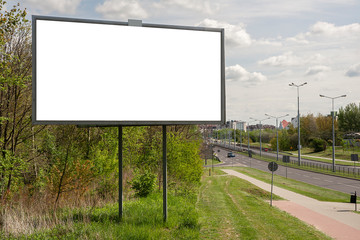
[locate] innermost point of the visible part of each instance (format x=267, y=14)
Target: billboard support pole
x=164, y=175
x=120, y=147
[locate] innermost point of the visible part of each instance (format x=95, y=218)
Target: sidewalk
x=334, y=219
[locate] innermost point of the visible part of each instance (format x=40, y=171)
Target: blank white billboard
x=97, y=72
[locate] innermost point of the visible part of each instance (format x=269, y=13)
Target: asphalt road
x=326, y=181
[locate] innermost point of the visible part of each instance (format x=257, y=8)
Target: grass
x=231, y=208
x=142, y=219
x=210, y=162
x=340, y=153
x=319, y=193
x=225, y=208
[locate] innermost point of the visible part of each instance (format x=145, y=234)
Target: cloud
x=201, y=6
x=354, y=71
x=329, y=29
x=314, y=70
x=288, y=59
x=121, y=9
x=60, y=6
x=238, y=73
x=235, y=35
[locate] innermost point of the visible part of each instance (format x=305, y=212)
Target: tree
x=349, y=118
x=15, y=95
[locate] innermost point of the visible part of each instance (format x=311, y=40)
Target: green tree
x=349, y=118
x=15, y=96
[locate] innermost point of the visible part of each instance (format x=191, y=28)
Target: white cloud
x=314, y=70
x=201, y=6
x=353, y=71
x=288, y=59
x=238, y=73
x=235, y=35
x=60, y=6
x=329, y=29
x=121, y=9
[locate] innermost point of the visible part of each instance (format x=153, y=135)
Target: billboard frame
x=120, y=122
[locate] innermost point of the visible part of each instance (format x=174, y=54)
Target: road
x=326, y=181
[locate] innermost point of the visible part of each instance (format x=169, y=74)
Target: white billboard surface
x=93, y=72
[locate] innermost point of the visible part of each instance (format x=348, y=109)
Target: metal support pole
x=260, y=138
x=120, y=147
x=277, y=141
x=235, y=139
x=333, y=137
x=241, y=137
x=164, y=175
x=272, y=184
x=299, y=144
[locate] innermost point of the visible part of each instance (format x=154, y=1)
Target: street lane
x=326, y=181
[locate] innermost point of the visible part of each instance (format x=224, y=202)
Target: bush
x=318, y=144
x=143, y=183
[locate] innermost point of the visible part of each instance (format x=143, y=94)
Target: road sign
x=354, y=157
x=273, y=166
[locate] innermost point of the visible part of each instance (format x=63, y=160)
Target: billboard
x=116, y=73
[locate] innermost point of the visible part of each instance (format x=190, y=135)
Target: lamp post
x=277, y=135
x=333, y=128
x=298, y=117
x=260, y=129
x=248, y=123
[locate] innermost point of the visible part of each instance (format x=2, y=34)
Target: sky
x=268, y=45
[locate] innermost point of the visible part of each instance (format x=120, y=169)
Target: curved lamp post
x=333, y=128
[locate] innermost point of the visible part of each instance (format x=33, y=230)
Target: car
x=231, y=154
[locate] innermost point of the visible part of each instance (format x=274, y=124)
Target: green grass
x=319, y=193
x=211, y=162
x=340, y=153
x=231, y=208
x=142, y=219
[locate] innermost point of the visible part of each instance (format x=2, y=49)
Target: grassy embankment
x=226, y=208
x=231, y=208
x=142, y=219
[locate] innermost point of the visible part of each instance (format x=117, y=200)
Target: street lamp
x=333, y=128
x=260, y=129
x=277, y=136
x=298, y=118
x=248, y=124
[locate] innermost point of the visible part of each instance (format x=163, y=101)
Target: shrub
x=143, y=183
x=318, y=144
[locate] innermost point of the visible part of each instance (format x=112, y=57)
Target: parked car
x=231, y=154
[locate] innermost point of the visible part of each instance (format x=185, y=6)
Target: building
x=235, y=124
x=284, y=124
x=294, y=122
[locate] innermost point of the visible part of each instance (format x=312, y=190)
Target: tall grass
x=142, y=219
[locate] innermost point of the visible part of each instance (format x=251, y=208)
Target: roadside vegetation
x=231, y=208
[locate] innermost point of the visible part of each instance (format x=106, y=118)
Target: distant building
x=294, y=122
x=258, y=126
x=235, y=124
x=284, y=124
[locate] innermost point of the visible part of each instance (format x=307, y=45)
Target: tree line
x=315, y=131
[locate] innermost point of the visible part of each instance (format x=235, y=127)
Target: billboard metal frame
x=124, y=123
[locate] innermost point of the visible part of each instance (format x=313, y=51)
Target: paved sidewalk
x=334, y=219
